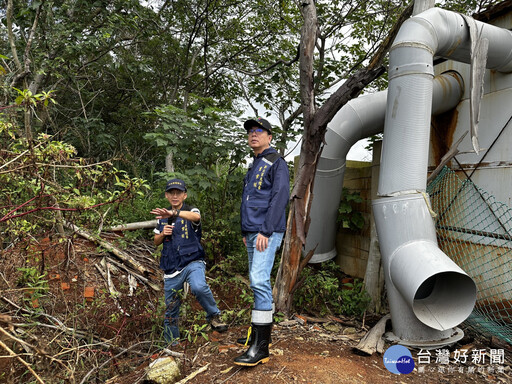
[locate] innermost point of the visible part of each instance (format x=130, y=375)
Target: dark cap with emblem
x=259, y=122
x=175, y=184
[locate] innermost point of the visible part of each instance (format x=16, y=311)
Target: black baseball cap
x=259, y=122
x=176, y=184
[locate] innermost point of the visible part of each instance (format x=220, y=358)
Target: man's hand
x=261, y=242
x=162, y=213
x=167, y=231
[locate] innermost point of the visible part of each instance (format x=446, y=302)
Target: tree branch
x=340, y=97
x=287, y=63
x=13, y=354
x=11, y=35
x=307, y=47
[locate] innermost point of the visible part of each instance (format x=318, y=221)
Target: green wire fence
x=475, y=231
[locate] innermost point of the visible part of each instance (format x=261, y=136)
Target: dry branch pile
x=70, y=309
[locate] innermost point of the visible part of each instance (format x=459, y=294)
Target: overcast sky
x=357, y=152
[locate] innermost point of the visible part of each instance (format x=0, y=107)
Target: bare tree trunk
x=169, y=163
x=23, y=70
x=294, y=239
x=28, y=124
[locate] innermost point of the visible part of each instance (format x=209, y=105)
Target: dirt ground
x=310, y=354
x=100, y=345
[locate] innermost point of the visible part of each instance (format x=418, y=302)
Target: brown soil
x=309, y=354
x=304, y=349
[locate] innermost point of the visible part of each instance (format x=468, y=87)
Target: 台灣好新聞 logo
x=398, y=359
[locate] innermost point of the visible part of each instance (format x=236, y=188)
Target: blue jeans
x=193, y=274
x=260, y=267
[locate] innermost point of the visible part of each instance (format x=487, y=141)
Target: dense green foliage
x=44, y=184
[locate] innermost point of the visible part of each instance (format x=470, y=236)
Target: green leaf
x=357, y=221
x=161, y=142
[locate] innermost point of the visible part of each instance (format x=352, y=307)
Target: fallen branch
x=109, y=247
x=155, y=287
x=172, y=353
x=373, y=342
x=13, y=354
x=114, y=294
x=193, y=374
x=342, y=321
x=60, y=325
x=197, y=352
x=452, y=152
x=329, y=318
x=34, y=348
x=109, y=360
x=133, y=226
x=52, y=318
x=310, y=319
x=3, y=331
x=75, y=332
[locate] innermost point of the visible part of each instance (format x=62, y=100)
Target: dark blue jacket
x=265, y=196
x=183, y=246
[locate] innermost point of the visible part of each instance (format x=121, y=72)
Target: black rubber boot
x=245, y=341
x=258, y=351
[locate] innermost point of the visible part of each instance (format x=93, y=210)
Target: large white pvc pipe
x=428, y=294
x=359, y=118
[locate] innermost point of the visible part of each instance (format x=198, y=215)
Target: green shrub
x=348, y=215
x=322, y=293
x=355, y=299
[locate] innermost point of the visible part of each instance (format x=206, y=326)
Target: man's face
x=176, y=197
x=259, y=139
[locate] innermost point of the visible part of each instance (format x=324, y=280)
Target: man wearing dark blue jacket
x=263, y=215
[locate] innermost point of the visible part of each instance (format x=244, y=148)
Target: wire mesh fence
x=475, y=231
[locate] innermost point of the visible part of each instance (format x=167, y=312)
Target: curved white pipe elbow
x=358, y=119
x=444, y=33
x=407, y=126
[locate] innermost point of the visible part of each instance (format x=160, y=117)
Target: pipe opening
x=426, y=289
x=444, y=300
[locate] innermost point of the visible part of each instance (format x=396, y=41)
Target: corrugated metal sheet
x=492, y=168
